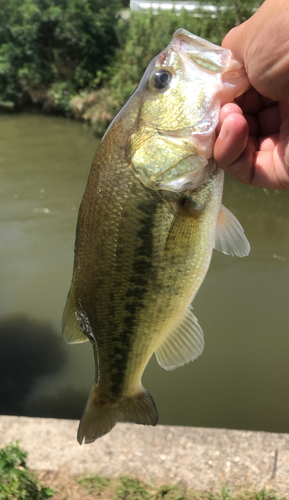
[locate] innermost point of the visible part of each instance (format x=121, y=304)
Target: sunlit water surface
x=241, y=380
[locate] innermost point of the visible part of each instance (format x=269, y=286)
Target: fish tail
x=101, y=415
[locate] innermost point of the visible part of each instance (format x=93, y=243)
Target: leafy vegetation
x=140, y=38
x=49, y=47
x=16, y=482
x=81, y=58
x=126, y=488
x=230, y=13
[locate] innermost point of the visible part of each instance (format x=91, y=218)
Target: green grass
x=18, y=483
x=126, y=488
x=94, y=485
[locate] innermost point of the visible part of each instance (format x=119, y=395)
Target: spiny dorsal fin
x=185, y=343
x=230, y=238
x=71, y=329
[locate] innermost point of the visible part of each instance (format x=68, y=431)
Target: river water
x=242, y=378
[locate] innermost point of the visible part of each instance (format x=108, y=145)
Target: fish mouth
x=205, y=54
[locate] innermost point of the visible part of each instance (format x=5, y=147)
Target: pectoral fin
x=230, y=238
x=184, y=344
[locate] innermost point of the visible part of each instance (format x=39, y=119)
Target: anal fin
x=184, y=344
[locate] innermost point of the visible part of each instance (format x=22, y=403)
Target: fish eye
x=161, y=79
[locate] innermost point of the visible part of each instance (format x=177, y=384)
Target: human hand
x=254, y=132
x=253, y=141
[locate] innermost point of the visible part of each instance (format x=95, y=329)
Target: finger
x=267, y=70
x=269, y=121
x=281, y=152
x=272, y=159
x=265, y=169
x=242, y=168
x=268, y=143
x=227, y=110
x=232, y=138
x=235, y=41
x=252, y=102
x=270, y=170
x=253, y=124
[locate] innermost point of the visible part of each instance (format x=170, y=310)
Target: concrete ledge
x=203, y=459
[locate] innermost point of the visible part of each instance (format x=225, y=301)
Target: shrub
x=49, y=42
x=144, y=35
x=16, y=483
x=54, y=50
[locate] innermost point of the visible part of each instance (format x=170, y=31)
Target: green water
x=242, y=378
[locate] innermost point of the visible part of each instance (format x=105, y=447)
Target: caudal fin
x=101, y=416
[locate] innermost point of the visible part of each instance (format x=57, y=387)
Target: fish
x=149, y=219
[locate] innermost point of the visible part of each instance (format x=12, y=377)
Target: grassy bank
x=84, y=59
x=18, y=483
x=141, y=36
x=127, y=488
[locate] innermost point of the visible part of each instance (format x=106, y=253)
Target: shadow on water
x=29, y=350
x=67, y=403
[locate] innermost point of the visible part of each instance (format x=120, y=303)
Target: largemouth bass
x=148, y=222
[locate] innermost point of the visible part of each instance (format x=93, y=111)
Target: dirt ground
x=67, y=487
x=63, y=484
x=201, y=459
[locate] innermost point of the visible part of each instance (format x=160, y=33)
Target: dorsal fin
x=230, y=238
x=185, y=343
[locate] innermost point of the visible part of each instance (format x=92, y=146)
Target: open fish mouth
x=202, y=52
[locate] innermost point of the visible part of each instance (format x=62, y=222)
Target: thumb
x=235, y=41
x=261, y=45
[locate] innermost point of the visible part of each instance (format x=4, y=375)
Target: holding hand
x=253, y=141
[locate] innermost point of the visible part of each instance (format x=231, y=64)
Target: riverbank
x=85, y=63
x=199, y=458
